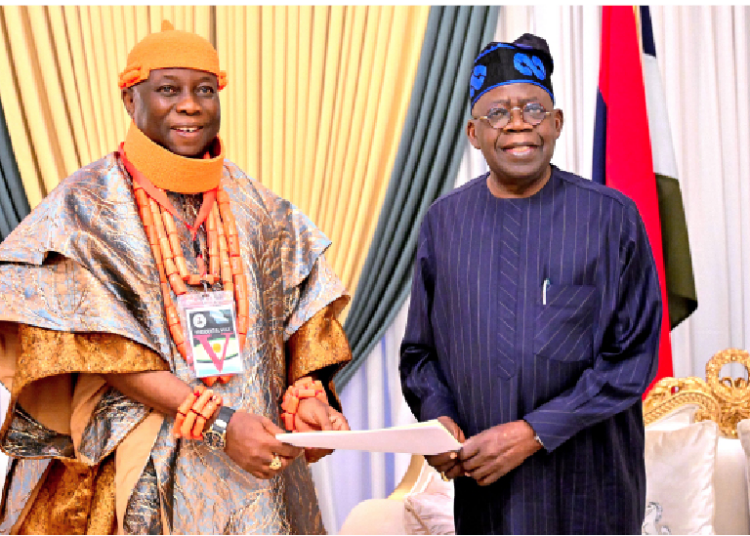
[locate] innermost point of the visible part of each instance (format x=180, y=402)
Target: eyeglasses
x=533, y=113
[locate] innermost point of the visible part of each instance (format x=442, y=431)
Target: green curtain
x=426, y=166
x=13, y=203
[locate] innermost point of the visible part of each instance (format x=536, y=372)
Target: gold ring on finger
x=445, y=477
x=275, y=464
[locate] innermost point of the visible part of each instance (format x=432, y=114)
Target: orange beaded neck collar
x=170, y=171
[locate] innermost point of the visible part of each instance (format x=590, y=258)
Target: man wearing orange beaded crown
x=109, y=428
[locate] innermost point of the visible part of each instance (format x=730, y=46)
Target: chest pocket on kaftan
x=565, y=324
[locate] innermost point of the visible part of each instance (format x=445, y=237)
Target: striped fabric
x=486, y=345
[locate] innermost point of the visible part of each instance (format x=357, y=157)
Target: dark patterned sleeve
x=628, y=361
x=422, y=379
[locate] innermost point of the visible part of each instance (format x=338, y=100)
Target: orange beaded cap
x=170, y=49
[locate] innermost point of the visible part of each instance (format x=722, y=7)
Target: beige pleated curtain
x=314, y=108
x=320, y=95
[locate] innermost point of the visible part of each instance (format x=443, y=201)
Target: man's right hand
x=251, y=439
x=448, y=463
x=252, y=444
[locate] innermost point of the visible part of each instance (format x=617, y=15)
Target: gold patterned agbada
x=80, y=297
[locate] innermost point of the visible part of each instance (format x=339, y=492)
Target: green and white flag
x=678, y=265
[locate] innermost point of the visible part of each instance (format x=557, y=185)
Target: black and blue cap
x=499, y=64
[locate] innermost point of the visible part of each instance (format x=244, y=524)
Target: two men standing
x=532, y=331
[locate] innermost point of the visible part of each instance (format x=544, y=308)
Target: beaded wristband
x=204, y=415
x=193, y=413
x=302, y=388
x=187, y=426
x=184, y=409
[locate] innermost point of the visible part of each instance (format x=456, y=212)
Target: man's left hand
x=495, y=452
x=314, y=415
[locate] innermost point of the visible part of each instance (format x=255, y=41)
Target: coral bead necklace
x=224, y=262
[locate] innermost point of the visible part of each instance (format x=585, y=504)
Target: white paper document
x=425, y=438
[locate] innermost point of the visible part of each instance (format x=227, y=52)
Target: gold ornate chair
x=723, y=400
x=726, y=401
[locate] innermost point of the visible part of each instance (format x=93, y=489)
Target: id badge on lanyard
x=213, y=346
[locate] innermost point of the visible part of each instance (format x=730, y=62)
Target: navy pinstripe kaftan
x=482, y=348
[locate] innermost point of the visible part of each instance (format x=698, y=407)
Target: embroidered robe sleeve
x=319, y=345
x=313, y=298
x=61, y=406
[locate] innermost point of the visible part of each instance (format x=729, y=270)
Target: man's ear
x=559, y=120
x=471, y=133
x=127, y=100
